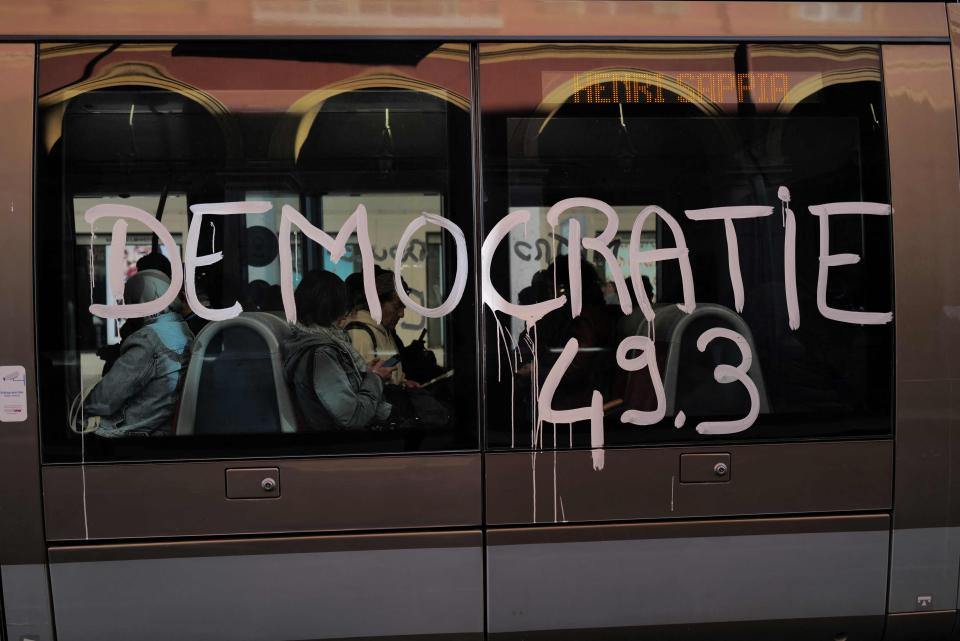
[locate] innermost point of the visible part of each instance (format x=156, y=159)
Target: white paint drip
x=513, y=406
x=598, y=457
x=673, y=483
x=512, y=365
x=592, y=413
x=297, y=263
x=790, y=259
x=90, y=261
x=680, y=419
x=553, y=253
x=83, y=418
x=533, y=469
x=499, y=362
x=535, y=419
x=116, y=262
x=554, y=472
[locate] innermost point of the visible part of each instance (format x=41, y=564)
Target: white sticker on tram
x=13, y=394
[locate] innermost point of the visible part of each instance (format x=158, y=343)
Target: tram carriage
x=674, y=287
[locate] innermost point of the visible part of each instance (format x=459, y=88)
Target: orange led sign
x=606, y=87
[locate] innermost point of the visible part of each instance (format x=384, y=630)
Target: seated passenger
x=375, y=340
x=413, y=404
x=333, y=387
x=138, y=395
x=110, y=353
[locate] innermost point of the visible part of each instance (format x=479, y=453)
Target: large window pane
x=664, y=132
x=299, y=137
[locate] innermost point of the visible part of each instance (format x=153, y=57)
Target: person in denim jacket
x=138, y=395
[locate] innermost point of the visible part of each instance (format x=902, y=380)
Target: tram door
x=690, y=379
x=209, y=471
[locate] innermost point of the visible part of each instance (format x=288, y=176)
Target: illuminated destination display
x=606, y=87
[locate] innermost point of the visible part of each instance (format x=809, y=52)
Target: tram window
x=685, y=128
x=301, y=133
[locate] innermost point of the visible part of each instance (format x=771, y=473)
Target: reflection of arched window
x=141, y=131
x=805, y=89
x=292, y=133
x=376, y=130
x=625, y=86
x=395, y=145
x=597, y=142
x=171, y=97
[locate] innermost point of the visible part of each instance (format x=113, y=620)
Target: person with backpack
x=375, y=340
x=334, y=387
x=379, y=342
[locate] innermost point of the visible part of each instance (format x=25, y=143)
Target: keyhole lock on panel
x=705, y=468
x=253, y=483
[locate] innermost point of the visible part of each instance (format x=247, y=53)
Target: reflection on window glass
x=648, y=315
x=202, y=188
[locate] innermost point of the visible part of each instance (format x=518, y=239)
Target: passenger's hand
x=378, y=368
x=411, y=384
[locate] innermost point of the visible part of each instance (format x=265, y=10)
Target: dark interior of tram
x=822, y=378
x=175, y=145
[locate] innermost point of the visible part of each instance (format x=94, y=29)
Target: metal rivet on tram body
x=720, y=469
x=268, y=484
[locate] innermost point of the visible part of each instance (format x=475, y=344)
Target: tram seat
x=676, y=332
x=234, y=382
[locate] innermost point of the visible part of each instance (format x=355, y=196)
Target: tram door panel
x=210, y=470
x=689, y=419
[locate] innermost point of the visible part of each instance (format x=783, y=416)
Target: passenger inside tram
x=138, y=393
x=333, y=387
x=375, y=340
x=111, y=352
x=415, y=404
x=593, y=328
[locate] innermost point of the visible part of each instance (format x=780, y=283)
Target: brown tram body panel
x=477, y=18
x=189, y=499
x=921, y=111
x=781, y=478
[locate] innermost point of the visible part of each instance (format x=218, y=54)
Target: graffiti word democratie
x=634, y=353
